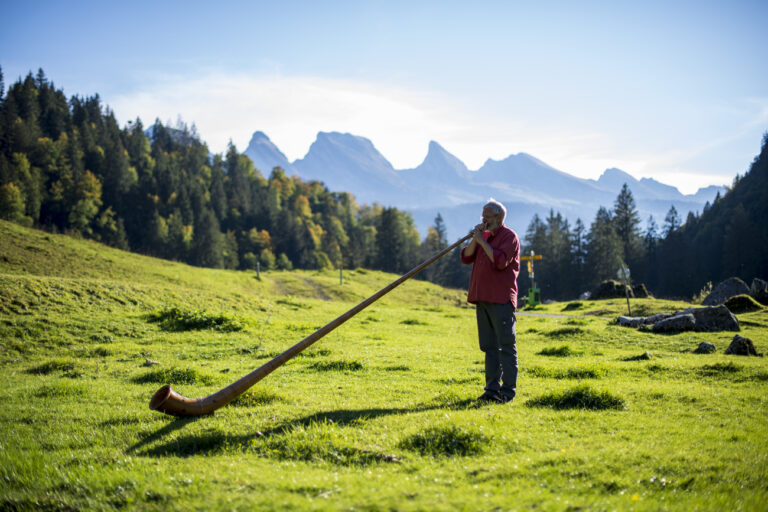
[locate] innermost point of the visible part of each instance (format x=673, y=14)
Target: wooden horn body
x=170, y=402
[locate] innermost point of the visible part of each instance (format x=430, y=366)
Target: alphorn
x=170, y=402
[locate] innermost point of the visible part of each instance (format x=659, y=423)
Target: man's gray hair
x=497, y=208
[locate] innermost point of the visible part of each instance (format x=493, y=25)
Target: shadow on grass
x=170, y=427
x=212, y=443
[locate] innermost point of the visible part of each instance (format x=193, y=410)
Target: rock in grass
x=611, y=289
x=759, y=291
x=640, y=291
x=742, y=304
x=639, y=321
x=707, y=319
x=741, y=346
x=630, y=321
x=676, y=323
x=723, y=291
x=150, y=362
x=705, y=348
x=713, y=319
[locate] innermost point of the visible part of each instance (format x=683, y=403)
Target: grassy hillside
x=378, y=415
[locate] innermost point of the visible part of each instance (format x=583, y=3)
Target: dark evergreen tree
x=604, y=249
x=208, y=243
x=671, y=221
x=626, y=221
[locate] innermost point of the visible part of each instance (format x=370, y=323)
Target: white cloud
x=400, y=122
x=292, y=110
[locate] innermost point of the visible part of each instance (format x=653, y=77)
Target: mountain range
x=442, y=183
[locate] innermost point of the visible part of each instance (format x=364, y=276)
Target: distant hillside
x=84, y=270
x=728, y=239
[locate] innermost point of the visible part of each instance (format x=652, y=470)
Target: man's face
x=490, y=219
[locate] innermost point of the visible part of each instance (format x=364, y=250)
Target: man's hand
x=477, y=232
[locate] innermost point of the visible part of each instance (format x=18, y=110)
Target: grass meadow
x=379, y=415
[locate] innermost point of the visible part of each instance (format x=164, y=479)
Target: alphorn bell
x=170, y=402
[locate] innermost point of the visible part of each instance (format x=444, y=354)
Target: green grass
x=581, y=397
x=176, y=319
x=378, y=415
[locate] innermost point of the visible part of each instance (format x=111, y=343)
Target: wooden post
x=534, y=294
x=624, y=276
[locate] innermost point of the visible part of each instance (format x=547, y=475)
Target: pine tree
x=627, y=224
x=671, y=221
x=207, y=244
x=604, y=249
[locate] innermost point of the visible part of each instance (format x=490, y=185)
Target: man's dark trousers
x=496, y=330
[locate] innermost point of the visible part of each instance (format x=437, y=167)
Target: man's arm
x=477, y=239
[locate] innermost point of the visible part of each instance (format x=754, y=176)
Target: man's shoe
x=490, y=397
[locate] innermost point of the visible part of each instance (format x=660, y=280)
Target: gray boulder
x=705, y=348
x=713, y=319
x=725, y=290
x=676, y=323
x=630, y=321
x=759, y=291
x=741, y=346
x=707, y=319
x=638, y=321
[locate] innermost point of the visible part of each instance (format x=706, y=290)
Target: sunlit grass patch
x=567, y=373
x=319, y=442
x=178, y=320
x=450, y=400
x=100, y=352
x=561, y=351
x=458, y=380
x=255, y=397
x=337, y=366
x=645, y=356
x=446, y=441
x=56, y=365
x=413, y=321
x=315, y=352
x=61, y=389
x=581, y=397
x=598, y=312
x=564, y=331
x=715, y=369
x=397, y=368
x=174, y=376
x=293, y=304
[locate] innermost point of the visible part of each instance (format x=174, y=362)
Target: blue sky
x=675, y=90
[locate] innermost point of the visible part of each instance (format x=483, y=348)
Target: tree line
x=729, y=238
x=66, y=166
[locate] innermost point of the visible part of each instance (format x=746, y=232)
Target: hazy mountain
x=349, y=163
x=443, y=183
x=441, y=179
x=614, y=179
x=266, y=156
x=522, y=177
x=709, y=193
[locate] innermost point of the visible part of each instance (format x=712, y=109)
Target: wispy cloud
x=401, y=122
x=292, y=110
